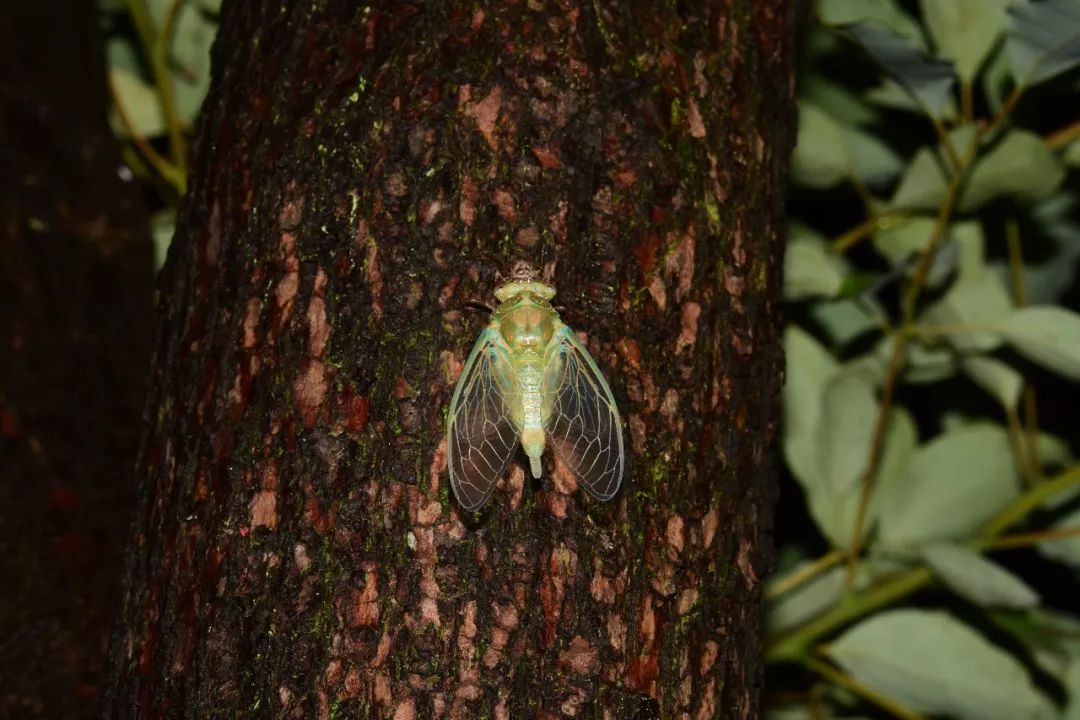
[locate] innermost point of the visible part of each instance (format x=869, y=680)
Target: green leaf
x=1043, y=39
x=977, y=298
x=997, y=80
x=980, y=302
x=886, y=13
x=848, y=415
x=1066, y=550
x=810, y=368
x=929, y=363
x=928, y=79
x=891, y=94
x=140, y=102
x=923, y=183
x=996, y=378
x=952, y=485
x=190, y=58
x=1047, y=335
x=934, y=664
x=162, y=228
x=1020, y=166
x=845, y=319
x=1071, y=156
x=1072, y=687
x=836, y=100
x=964, y=31
x=904, y=238
x=806, y=601
x=827, y=153
x=810, y=271
x=973, y=577
x=820, y=159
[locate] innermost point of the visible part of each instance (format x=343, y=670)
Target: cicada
x=530, y=379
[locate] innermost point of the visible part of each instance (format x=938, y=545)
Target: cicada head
x=522, y=289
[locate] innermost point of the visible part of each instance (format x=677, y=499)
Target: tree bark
x=76, y=315
x=362, y=174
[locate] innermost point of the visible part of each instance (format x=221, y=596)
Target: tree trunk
x=76, y=314
x=361, y=175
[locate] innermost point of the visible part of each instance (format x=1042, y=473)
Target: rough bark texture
x=75, y=326
x=362, y=173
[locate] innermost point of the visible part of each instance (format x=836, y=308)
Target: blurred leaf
x=810, y=368
x=1051, y=638
x=953, y=484
x=162, y=228
x=904, y=238
x=827, y=153
x=1048, y=335
x=1072, y=687
x=190, y=54
x=1049, y=275
x=140, y=102
x=886, y=13
x=1043, y=39
x=1071, y=156
x=929, y=363
x=845, y=319
x=820, y=159
x=933, y=663
x=977, y=298
x=973, y=577
x=1066, y=550
x=964, y=31
x=121, y=54
x=848, y=415
x=805, y=602
x=981, y=302
x=922, y=185
x=1020, y=165
x=891, y=94
x=836, y=100
x=928, y=79
x=996, y=378
x=810, y=271
x=997, y=80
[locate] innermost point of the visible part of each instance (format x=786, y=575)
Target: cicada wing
x=481, y=436
x=583, y=425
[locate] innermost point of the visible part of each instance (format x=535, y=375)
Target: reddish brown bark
x=75, y=321
x=361, y=175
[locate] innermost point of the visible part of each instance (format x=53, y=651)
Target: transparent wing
x=583, y=425
x=480, y=435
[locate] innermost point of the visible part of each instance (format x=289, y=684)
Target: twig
x=1063, y=137
x=169, y=172
x=157, y=51
x=796, y=645
x=882, y=221
x=802, y=575
x=1032, y=538
x=849, y=683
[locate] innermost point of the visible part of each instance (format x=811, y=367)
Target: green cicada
x=528, y=377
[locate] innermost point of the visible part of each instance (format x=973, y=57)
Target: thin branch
x=156, y=48
x=1063, y=137
x=847, y=682
x=908, y=304
x=168, y=172
x=1032, y=538
x=804, y=574
x=849, y=238
x=796, y=645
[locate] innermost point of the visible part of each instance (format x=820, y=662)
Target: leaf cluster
x=930, y=263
